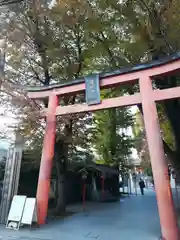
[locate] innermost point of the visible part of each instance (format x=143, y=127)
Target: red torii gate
x=143, y=73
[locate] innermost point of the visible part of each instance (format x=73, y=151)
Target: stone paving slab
x=133, y=218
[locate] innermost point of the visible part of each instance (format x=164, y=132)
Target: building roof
x=96, y=167
x=102, y=168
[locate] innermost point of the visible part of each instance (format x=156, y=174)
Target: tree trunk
x=172, y=109
x=60, y=190
x=173, y=112
x=172, y=156
x=60, y=164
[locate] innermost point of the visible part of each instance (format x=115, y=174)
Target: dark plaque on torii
x=92, y=89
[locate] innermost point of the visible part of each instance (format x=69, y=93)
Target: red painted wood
x=168, y=220
x=46, y=161
x=158, y=95
x=110, y=81
x=170, y=93
x=106, y=103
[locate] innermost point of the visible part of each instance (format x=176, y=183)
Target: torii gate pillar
x=147, y=97
x=46, y=161
x=169, y=227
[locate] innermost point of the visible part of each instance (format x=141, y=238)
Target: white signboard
x=17, y=207
x=16, y=212
x=29, y=213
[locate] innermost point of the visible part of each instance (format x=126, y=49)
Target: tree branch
x=80, y=59
x=156, y=21
x=36, y=74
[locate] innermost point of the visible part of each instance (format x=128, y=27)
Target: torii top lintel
x=154, y=68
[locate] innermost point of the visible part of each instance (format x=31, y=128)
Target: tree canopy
x=52, y=43
x=49, y=44
x=110, y=137
x=141, y=144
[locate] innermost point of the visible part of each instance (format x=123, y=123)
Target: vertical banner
x=92, y=89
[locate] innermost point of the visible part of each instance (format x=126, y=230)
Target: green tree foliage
x=140, y=140
x=110, y=138
x=45, y=46
x=53, y=44
x=152, y=25
x=166, y=128
x=141, y=144
x=141, y=31
x=111, y=141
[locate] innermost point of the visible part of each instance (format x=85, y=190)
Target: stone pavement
x=133, y=218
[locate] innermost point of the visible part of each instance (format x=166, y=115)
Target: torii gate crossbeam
x=148, y=97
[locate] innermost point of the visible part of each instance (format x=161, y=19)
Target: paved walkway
x=134, y=218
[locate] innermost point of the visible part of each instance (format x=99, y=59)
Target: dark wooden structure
x=101, y=183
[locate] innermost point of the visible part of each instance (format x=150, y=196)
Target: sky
x=6, y=121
